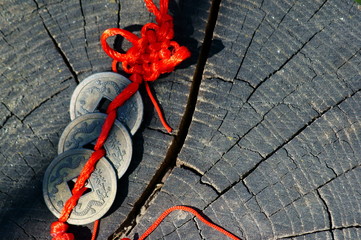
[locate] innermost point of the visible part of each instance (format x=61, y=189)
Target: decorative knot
x=153, y=53
x=58, y=231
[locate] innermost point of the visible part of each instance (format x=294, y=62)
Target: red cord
x=188, y=209
x=151, y=55
x=95, y=230
x=157, y=108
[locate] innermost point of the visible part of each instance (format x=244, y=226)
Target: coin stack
x=87, y=112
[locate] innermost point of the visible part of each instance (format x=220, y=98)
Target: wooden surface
x=273, y=146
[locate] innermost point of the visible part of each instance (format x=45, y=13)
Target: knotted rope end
x=58, y=231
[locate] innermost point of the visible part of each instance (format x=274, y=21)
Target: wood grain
x=275, y=129
x=272, y=150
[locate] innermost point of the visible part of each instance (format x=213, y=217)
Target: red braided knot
x=151, y=55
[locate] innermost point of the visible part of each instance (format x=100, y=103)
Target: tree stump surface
x=266, y=116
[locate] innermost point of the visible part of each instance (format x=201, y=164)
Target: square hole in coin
x=103, y=105
x=90, y=145
x=71, y=184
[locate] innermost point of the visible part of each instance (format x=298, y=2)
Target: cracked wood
x=275, y=129
x=272, y=151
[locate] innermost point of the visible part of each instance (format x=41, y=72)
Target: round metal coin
x=84, y=131
x=60, y=178
x=95, y=93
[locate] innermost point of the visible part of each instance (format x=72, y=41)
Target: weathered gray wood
x=275, y=133
x=46, y=48
x=182, y=187
x=273, y=148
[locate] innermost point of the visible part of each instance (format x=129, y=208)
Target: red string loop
x=187, y=209
x=113, y=32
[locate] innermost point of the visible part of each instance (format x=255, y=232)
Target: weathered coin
x=84, y=131
x=60, y=178
x=95, y=93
